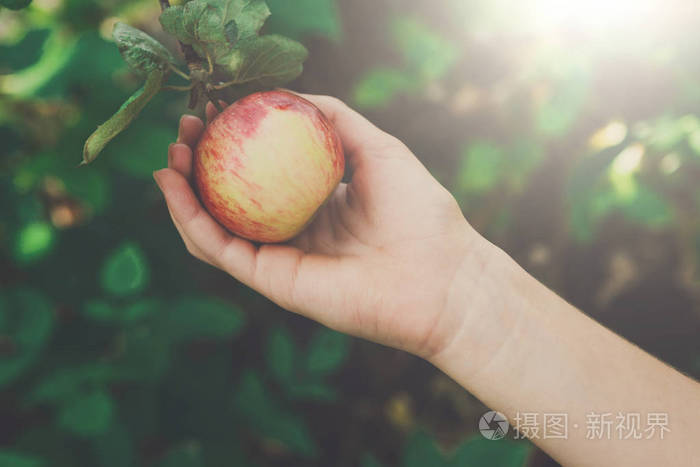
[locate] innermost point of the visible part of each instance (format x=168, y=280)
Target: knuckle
x=191, y=215
x=334, y=102
x=385, y=144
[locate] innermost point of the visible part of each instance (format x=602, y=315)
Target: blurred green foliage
x=117, y=349
x=421, y=450
x=426, y=56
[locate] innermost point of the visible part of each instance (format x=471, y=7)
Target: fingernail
x=179, y=129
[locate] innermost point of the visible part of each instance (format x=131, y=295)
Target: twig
x=221, y=86
x=178, y=88
x=178, y=71
x=211, y=65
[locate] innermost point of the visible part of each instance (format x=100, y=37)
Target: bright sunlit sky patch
x=606, y=21
x=594, y=15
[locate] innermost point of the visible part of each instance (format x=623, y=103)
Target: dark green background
x=118, y=349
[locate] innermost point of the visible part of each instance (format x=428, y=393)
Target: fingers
x=211, y=110
x=205, y=238
x=283, y=273
x=191, y=248
x=190, y=130
x=180, y=159
x=196, y=223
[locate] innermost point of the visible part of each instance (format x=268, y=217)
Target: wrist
x=480, y=302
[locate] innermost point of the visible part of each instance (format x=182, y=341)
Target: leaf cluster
x=226, y=57
x=15, y=4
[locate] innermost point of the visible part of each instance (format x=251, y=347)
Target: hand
x=379, y=259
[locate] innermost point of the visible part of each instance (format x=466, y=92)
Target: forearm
x=522, y=349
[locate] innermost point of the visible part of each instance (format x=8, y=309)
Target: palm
x=357, y=252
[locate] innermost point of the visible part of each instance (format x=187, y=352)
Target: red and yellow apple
x=266, y=164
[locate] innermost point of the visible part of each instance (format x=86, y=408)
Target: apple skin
x=266, y=164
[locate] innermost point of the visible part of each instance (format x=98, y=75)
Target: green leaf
x=67, y=383
x=303, y=17
x=379, y=86
x=648, y=208
x=420, y=451
x=231, y=32
x=196, y=318
x=327, y=350
x=124, y=116
x=558, y=113
x=281, y=355
x=667, y=132
x=171, y=19
x=265, y=415
x=140, y=309
x=58, y=51
x=141, y=52
x=292, y=431
x=26, y=321
x=428, y=55
x=227, y=32
x=478, y=451
x=24, y=53
x=266, y=61
x=188, y=455
x=523, y=157
x=15, y=459
x=125, y=271
x=33, y=241
x=101, y=310
x=481, y=167
x=312, y=390
x=694, y=142
x=251, y=18
x=15, y=4
x=87, y=415
x=213, y=26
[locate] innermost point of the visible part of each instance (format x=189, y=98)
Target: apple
x=266, y=164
